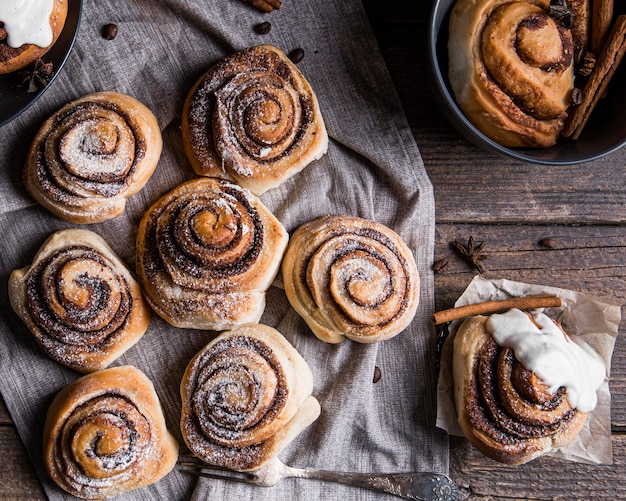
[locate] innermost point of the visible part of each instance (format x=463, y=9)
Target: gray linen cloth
x=372, y=169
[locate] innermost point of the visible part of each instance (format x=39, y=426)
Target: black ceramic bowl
x=604, y=133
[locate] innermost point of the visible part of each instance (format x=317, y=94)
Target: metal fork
x=419, y=486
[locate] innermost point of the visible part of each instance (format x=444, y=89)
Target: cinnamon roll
x=511, y=68
x=91, y=155
x=245, y=397
x=105, y=434
x=522, y=388
x=28, y=30
x=80, y=301
x=207, y=252
x=352, y=278
x=253, y=119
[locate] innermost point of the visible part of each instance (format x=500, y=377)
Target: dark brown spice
x=263, y=28
x=560, y=11
x=377, y=374
x=38, y=77
x=440, y=265
x=548, y=243
x=109, y=31
x=589, y=61
x=296, y=55
x=472, y=253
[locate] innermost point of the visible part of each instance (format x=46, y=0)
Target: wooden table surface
x=510, y=206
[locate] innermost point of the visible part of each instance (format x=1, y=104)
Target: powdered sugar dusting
x=98, y=148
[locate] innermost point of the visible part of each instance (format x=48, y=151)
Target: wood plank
x=17, y=476
x=585, y=258
x=4, y=414
x=542, y=479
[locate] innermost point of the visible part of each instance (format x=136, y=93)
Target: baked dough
x=105, y=434
x=206, y=253
x=79, y=300
x=535, y=422
x=246, y=396
x=350, y=277
x=16, y=58
x=511, y=69
x=253, y=119
x=91, y=155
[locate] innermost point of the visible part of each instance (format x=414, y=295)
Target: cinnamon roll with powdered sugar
x=206, y=253
x=246, y=396
x=253, y=119
x=353, y=278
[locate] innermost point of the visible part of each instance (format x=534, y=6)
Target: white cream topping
x=27, y=22
x=553, y=356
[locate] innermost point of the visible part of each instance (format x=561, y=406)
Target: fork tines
x=196, y=467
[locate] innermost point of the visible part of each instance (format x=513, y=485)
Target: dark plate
x=604, y=133
x=14, y=99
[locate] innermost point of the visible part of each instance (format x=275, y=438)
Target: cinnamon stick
x=488, y=307
x=601, y=18
x=264, y=5
x=606, y=64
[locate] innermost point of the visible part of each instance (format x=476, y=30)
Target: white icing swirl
x=554, y=357
x=27, y=22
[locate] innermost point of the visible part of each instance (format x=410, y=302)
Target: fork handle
x=416, y=486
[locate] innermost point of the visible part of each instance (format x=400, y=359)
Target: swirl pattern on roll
x=253, y=119
x=505, y=410
x=207, y=252
x=511, y=69
x=246, y=395
x=80, y=301
x=105, y=435
x=91, y=155
x=353, y=278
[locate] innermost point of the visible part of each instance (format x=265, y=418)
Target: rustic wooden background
x=510, y=206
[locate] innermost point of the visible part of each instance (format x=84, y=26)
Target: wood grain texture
x=542, y=479
x=17, y=476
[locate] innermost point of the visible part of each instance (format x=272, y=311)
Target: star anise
x=562, y=12
x=472, y=252
x=37, y=77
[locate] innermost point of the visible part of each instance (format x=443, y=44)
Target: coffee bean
x=548, y=243
x=263, y=28
x=377, y=374
x=296, y=55
x=109, y=31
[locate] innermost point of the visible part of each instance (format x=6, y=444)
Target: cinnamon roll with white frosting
x=28, y=30
x=353, y=278
x=245, y=397
x=253, y=119
x=91, y=155
x=105, y=434
x=80, y=301
x=522, y=387
x=206, y=253
x=511, y=68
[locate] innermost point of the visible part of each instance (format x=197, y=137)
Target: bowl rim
x=448, y=105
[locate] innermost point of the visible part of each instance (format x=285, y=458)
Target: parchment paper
x=373, y=169
x=592, y=318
